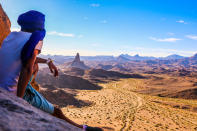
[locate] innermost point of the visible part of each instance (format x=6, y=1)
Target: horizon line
x=116, y=55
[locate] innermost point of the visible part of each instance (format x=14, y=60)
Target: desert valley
x=125, y=92
x=116, y=93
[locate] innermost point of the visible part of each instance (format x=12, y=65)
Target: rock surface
x=4, y=25
x=16, y=115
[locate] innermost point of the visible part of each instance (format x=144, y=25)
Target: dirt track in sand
x=112, y=108
x=116, y=107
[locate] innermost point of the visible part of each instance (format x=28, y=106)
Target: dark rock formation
x=77, y=63
x=4, y=25
x=77, y=58
x=17, y=115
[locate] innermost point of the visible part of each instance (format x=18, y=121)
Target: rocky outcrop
x=77, y=63
x=4, y=25
x=77, y=58
x=17, y=115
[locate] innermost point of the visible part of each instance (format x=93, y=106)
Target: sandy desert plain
x=163, y=100
x=118, y=106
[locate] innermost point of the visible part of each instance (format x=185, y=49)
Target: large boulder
x=4, y=25
x=17, y=115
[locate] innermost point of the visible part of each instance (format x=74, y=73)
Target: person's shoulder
x=21, y=34
x=17, y=35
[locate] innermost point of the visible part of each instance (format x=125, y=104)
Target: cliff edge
x=16, y=115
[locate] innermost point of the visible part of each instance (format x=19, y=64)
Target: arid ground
x=127, y=104
x=126, y=96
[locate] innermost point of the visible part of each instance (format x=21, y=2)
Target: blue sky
x=114, y=27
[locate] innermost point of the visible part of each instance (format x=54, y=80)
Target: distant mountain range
x=60, y=59
x=137, y=57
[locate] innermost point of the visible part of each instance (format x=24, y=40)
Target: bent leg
x=34, y=98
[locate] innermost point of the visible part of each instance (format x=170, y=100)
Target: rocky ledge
x=17, y=115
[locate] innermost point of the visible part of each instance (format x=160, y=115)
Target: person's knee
x=57, y=111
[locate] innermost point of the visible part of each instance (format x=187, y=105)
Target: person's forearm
x=24, y=78
x=40, y=60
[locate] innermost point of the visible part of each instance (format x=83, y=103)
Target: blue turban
x=31, y=21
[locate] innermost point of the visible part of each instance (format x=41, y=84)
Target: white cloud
x=95, y=5
x=181, y=21
x=193, y=37
x=104, y=21
x=165, y=39
x=15, y=29
x=60, y=34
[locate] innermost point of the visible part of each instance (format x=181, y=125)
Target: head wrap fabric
x=34, y=21
x=29, y=47
x=31, y=20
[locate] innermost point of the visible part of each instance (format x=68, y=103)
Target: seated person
x=18, y=61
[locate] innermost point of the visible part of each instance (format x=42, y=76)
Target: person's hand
x=53, y=68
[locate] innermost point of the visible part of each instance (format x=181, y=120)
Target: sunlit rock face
x=4, y=25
